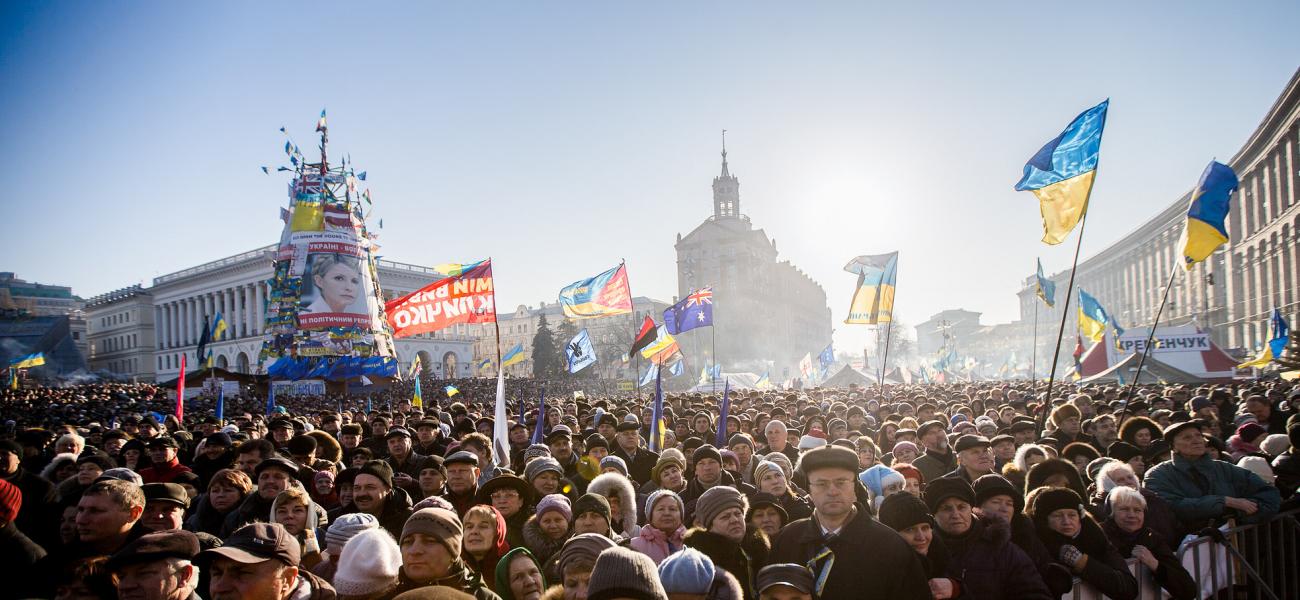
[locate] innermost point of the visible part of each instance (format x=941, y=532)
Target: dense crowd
x=976, y=490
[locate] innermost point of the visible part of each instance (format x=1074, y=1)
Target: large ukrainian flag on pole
x=514, y=355
x=1205, y=230
x=873, y=301
x=604, y=295
x=26, y=362
x=1062, y=172
x=1093, y=318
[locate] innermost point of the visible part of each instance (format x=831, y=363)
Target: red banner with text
x=464, y=298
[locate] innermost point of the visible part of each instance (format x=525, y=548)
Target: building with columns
x=236, y=287
x=767, y=314
x=1234, y=292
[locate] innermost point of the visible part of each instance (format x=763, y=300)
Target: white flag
x=501, y=427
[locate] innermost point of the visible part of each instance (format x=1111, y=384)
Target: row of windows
x=115, y=319
x=123, y=366
x=121, y=342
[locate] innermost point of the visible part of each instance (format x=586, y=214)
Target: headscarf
x=502, y=578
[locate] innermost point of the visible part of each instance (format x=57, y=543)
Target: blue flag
x=722, y=420
x=541, y=416
x=695, y=310
x=827, y=357
x=649, y=375
x=657, y=427
x=270, y=399
x=1044, y=287
x=580, y=352
x=676, y=369
x=221, y=404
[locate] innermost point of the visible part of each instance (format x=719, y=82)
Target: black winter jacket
x=989, y=566
x=870, y=560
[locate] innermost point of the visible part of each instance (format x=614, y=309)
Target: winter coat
x=39, y=515
x=656, y=544
x=638, y=467
x=1171, y=575
x=1287, y=469
x=543, y=548
x=742, y=560
x=460, y=578
x=1197, y=487
x=796, y=505
x=312, y=587
x=871, y=560
x=988, y=565
x=694, y=489
x=933, y=465
x=253, y=508
x=1059, y=579
x=17, y=551
x=206, y=518
x=1105, y=569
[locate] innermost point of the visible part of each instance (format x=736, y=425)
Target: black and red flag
x=648, y=334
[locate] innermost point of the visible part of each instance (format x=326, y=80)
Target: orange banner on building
x=465, y=298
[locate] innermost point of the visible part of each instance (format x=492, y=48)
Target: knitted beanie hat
x=440, y=524
x=541, y=465
x=536, y=451
x=582, y=546
x=900, y=511
x=592, y=503
x=1044, y=501
x=613, y=461
x=1259, y=466
x=663, y=463
x=659, y=494
x=717, y=499
x=624, y=573
x=762, y=469
x=1275, y=444
x=555, y=502
x=687, y=572
x=706, y=451
x=879, y=477
x=346, y=526
x=369, y=564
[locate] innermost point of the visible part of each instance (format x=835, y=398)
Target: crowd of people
x=971, y=490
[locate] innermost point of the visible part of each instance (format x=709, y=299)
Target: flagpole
x=1033, y=358
x=713, y=333
x=1065, y=313
x=1150, y=340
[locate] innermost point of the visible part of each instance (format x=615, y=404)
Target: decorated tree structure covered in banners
x=325, y=313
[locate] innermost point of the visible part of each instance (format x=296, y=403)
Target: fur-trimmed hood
x=327, y=447
x=614, y=484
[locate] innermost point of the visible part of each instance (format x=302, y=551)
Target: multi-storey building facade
x=236, y=287
x=121, y=329
x=1234, y=292
x=766, y=313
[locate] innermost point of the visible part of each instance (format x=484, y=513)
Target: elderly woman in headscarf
x=1075, y=541
x=484, y=541
x=519, y=576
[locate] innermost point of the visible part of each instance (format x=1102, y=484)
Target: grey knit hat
x=619, y=465
x=346, y=526
x=624, y=573
x=582, y=546
x=717, y=499
x=536, y=451
x=541, y=465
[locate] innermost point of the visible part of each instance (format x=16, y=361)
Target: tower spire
x=725, y=172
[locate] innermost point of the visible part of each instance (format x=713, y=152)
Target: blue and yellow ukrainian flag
x=31, y=360
x=1062, y=172
x=1275, y=346
x=417, y=398
x=873, y=301
x=763, y=382
x=514, y=355
x=218, y=326
x=1046, y=287
x=451, y=390
x=1205, y=230
x=1093, y=318
x=604, y=295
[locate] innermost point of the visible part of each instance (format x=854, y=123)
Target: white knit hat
x=369, y=564
x=1259, y=466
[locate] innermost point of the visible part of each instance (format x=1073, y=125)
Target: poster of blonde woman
x=333, y=292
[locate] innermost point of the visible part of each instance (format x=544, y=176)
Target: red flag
x=180, y=393
x=464, y=298
x=648, y=334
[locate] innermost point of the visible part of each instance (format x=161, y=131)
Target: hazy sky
x=560, y=137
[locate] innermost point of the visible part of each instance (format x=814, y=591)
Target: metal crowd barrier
x=1257, y=561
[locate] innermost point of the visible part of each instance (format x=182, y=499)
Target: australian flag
x=695, y=310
